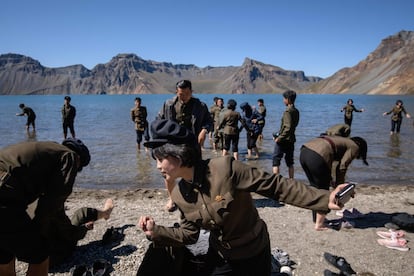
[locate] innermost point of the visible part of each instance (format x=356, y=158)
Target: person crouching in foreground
x=30, y=171
x=215, y=195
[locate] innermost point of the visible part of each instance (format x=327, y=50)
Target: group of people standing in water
x=211, y=194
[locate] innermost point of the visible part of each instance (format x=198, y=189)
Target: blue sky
x=318, y=37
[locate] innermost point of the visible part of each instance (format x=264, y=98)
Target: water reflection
x=394, y=150
x=31, y=136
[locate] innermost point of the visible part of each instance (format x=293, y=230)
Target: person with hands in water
x=215, y=195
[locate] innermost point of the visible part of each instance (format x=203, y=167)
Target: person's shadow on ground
x=105, y=249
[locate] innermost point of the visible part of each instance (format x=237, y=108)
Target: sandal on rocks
x=391, y=234
x=340, y=263
x=327, y=272
x=398, y=244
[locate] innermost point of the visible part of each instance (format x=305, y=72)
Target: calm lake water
x=103, y=124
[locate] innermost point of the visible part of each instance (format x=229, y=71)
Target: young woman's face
x=169, y=167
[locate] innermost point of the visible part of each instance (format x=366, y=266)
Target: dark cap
x=67, y=98
x=168, y=131
x=231, y=104
x=363, y=148
x=244, y=105
x=77, y=146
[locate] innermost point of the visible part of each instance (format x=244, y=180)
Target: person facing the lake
x=188, y=111
x=230, y=125
x=326, y=155
x=34, y=171
x=31, y=116
x=349, y=108
x=285, y=138
x=139, y=117
x=68, y=117
x=396, y=118
x=250, y=121
x=215, y=195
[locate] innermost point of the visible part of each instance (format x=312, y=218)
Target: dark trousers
x=175, y=261
x=316, y=170
x=396, y=125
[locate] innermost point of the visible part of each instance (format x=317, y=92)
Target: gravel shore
x=290, y=228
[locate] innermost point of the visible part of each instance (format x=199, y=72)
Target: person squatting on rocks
x=215, y=195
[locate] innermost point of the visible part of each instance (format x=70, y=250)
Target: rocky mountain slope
x=389, y=69
x=129, y=74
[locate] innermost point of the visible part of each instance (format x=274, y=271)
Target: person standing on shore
x=31, y=116
x=139, y=117
x=68, y=117
x=396, y=118
x=349, y=108
x=215, y=195
x=190, y=112
x=285, y=139
x=29, y=171
x=325, y=156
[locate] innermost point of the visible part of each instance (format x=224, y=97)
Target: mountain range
x=389, y=69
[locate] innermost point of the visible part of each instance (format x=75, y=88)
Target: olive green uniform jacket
x=139, y=117
x=38, y=170
x=342, y=149
x=219, y=199
x=290, y=121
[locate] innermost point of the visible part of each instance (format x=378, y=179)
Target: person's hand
x=333, y=204
x=408, y=115
x=146, y=224
x=385, y=113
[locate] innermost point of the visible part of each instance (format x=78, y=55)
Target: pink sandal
x=391, y=234
x=398, y=244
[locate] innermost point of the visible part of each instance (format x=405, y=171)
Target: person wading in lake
x=189, y=112
x=31, y=116
x=68, y=117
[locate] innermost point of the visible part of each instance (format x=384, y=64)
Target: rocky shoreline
x=290, y=228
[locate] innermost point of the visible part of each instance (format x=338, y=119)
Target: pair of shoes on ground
x=113, y=235
x=340, y=263
x=339, y=224
x=351, y=213
x=99, y=267
x=393, y=240
x=281, y=263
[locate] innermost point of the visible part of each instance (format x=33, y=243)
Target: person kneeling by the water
x=215, y=195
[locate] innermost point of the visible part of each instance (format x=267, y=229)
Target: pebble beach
x=290, y=228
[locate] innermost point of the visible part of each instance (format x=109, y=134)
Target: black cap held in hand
x=168, y=131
